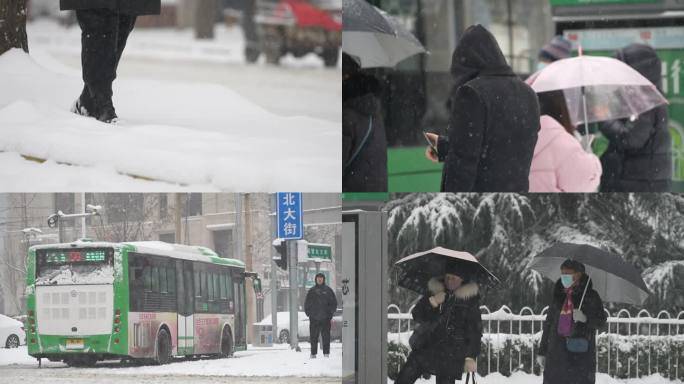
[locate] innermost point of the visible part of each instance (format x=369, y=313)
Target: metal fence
x=627, y=346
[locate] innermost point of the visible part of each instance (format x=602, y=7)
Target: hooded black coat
x=493, y=124
x=320, y=303
x=456, y=337
x=130, y=7
x=639, y=155
x=562, y=366
x=364, y=144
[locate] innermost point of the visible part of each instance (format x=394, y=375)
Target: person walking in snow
x=559, y=163
x=493, y=124
x=567, y=322
x=452, y=329
x=105, y=26
x=639, y=153
x=320, y=306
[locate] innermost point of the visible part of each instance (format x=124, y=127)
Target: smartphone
x=433, y=149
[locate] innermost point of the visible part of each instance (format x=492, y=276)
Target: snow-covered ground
x=278, y=361
x=525, y=378
x=178, y=126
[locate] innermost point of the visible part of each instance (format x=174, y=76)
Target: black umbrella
x=417, y=269
x=614, y=279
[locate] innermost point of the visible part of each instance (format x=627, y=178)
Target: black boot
x=84, y=105
x=105, y=110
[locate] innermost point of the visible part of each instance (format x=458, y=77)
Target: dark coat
x=563, y=367
x=320, y=303
x=363, y=132
x=638, y=157
x=130, y=7
x=457, y=335
x=493, y=124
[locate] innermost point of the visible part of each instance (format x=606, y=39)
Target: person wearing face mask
x=571, y=316
x=453, y=343
x=556, y=49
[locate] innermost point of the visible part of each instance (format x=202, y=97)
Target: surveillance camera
x=94, y=209
x=53, y=220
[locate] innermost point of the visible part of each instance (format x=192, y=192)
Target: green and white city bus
x=90, y=301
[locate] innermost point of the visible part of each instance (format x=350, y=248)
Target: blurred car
x=298, y=27
x=12, y=333
x=303, y=328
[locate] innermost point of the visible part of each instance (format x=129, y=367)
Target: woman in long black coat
x=105, y=26
x=494, y=121
x=639, y=154
x=560, y=365
x=454, y=344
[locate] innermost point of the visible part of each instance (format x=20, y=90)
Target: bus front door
x=240, y=313
x=185, y=298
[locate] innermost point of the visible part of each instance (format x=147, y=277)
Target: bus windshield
x=74, y=266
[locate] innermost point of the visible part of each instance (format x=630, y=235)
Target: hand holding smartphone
x=431, y=151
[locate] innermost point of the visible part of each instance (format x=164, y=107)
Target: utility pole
x=294, y=288
x=274, y=276
x=177, y=218
x=83, y=219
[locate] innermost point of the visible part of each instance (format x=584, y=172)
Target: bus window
x=163, y=286
x=198, y=286
x=229, y=287
x=155, y=279
x=210, y=284
x=222, y=286
x=217, y=291
x=147, y=279
x=171, y=277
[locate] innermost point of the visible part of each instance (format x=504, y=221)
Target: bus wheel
x=163, y=347
x=226, y=343
x=12, y=341
x=284, y=336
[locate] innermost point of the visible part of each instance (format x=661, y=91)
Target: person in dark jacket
x=639, y=154
x=570, y=316
x=320, y=306
x=454, y=344
x=364, y=144
x=105, y=26
x=493, y=124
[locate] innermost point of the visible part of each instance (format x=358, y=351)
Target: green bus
x=149, y=301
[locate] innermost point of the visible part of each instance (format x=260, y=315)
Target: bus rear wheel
x=226, y=343
x=163, y=347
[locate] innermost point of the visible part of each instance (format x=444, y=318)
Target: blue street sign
x=289, y=214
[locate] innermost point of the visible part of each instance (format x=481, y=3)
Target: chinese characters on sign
x=289, y=214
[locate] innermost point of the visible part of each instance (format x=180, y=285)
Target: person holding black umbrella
x=567, y=348
x=105, y=26
x=448, y=341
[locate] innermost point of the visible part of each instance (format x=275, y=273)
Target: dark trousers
x=322, y=327
x=412, y=370
x=103, y=39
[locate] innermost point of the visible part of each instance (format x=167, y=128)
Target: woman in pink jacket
x=559, y=163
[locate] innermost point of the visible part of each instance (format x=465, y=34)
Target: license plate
x=74, y=344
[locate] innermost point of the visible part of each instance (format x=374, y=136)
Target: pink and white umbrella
x=598, y=88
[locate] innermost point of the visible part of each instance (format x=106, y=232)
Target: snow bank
x=188, y=134
x=525, y=378
x=278, y=361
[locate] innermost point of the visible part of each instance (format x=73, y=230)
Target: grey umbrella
x=614, y=279
x=374, y=38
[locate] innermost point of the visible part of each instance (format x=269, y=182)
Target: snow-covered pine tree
x=13, y=25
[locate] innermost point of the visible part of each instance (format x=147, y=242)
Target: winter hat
x=556, y=49
x=573, y=264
